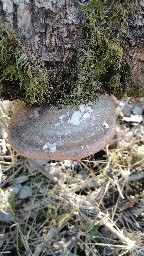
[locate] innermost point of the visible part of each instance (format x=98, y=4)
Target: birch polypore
x=68, y=133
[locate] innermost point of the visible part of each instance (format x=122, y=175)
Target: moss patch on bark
x=99, y=66
x=102, y=66
x=22, y=76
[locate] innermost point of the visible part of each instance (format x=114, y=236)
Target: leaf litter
x=88, y=207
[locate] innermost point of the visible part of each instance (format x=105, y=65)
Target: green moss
x=25, y=76
x=101, y=65
x=98, y=68
x=21, y=75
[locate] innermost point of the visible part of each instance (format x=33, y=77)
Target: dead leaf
x=6, y=217
x=25, y=192
x=21, y=179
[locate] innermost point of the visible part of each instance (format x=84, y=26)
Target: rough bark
x=52, y=30
x=135, y=43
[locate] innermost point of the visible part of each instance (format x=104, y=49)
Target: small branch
x=40, y=169
x=118, y=233
x=76, y=238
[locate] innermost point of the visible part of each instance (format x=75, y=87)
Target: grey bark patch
x=1, y=9
x=50, y=28
x=15, y=25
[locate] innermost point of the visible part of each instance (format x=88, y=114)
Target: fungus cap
x=59, y=134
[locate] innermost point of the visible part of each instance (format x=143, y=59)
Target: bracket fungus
x=72, y=133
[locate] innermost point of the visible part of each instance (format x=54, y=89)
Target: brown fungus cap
x=60, y=134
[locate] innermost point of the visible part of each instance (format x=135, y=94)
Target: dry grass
x=92, y=207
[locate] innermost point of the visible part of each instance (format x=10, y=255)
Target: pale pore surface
x=59, y=134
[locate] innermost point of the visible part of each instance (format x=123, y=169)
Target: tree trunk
x=52, y=30
x=135, y=44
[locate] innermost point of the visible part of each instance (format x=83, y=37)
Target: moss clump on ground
x=98, y=68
